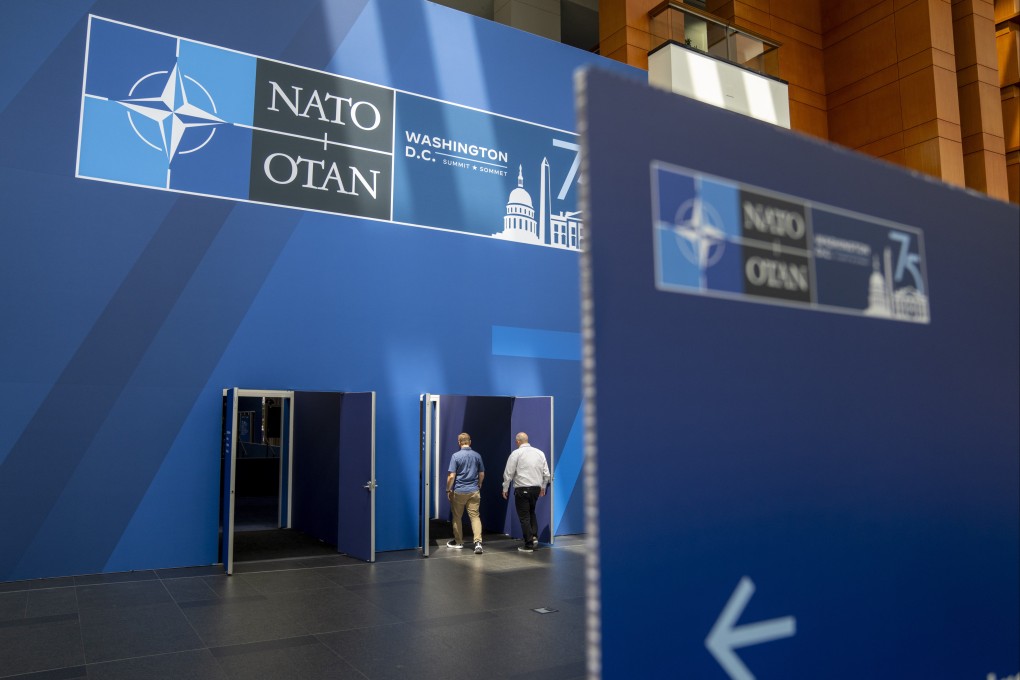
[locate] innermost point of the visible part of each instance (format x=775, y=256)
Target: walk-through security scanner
x=326, y=455
x=492, y=422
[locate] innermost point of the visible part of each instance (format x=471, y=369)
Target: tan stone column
x=977, y=77
x=1007, y=37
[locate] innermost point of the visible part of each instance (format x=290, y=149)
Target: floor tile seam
x=400, y=621
x=108, y=610
x=19, y=676
x=329, y=585
x=222, y=601
x=375, y=605
x=340, y=656
x=353, y=629
x=376, y=627
x=120, y=606
x=365, y=600
x=24, y=608
x=385, y=610
x=31, y=589
x=349, y=662
x=146, y=656
x=81, y=632
x=286, y=571
x=184, y=615
x=424, y=622
x=139, y=572
x=298, y=560
x=356, y=587
x=201, y=579
x=177, y=577
x=221, y=662
x=40, y=620
x=270, y=593
x=225, y=651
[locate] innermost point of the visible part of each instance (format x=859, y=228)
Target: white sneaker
x=478, y=548
x=454, y=545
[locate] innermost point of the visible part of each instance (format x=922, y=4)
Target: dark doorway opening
x=298, y=475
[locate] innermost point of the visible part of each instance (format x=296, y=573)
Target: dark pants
x=525, y=498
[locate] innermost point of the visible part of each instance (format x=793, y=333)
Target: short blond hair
x=463, y=438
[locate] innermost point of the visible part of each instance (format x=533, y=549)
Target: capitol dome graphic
x=561, y=230
x=885, y=301
x=519, y=222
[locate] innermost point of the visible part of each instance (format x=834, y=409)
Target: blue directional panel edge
x=804, y=403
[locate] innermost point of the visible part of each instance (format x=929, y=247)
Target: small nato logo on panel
x=696, y=234
x=719, y=238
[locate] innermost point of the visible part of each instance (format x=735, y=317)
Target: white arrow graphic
x=725, y=637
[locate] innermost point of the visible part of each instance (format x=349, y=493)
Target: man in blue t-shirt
x=463, y=488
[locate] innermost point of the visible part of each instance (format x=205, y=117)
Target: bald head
x=522, y=438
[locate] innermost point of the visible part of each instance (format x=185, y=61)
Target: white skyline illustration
x=885, y=301
x=564, y=229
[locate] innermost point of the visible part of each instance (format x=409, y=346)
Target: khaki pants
x=472, y=501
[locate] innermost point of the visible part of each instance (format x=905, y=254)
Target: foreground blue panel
x=805, y=372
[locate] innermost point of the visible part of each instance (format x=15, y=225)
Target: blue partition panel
x=805, y=399
x=316, y=464
x=533, y=415
x=450, y=423
x=355, y=510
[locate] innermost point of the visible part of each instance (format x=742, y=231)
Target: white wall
x=716, y=82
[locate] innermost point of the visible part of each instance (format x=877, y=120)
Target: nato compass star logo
x=177, y=117
x=699, y=234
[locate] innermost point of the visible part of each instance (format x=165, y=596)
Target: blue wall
x=846, y=482
x=128, y=310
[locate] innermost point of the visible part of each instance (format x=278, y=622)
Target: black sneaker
x=478, y=547
x=454, y=545
x=525, y=548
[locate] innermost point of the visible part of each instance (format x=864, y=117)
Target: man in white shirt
x=529, y=472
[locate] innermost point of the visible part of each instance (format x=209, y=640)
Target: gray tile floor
x=453, y=615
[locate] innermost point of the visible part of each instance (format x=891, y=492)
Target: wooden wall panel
x=861, y=54
x=809, y=119
x=978, y=92
x=807, y=15
x=800, y=65
x=1011, y=117
x=908, y=81
x=870, y=12
x=1007, y=43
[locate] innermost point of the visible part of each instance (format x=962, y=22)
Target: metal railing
x=675, y=22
